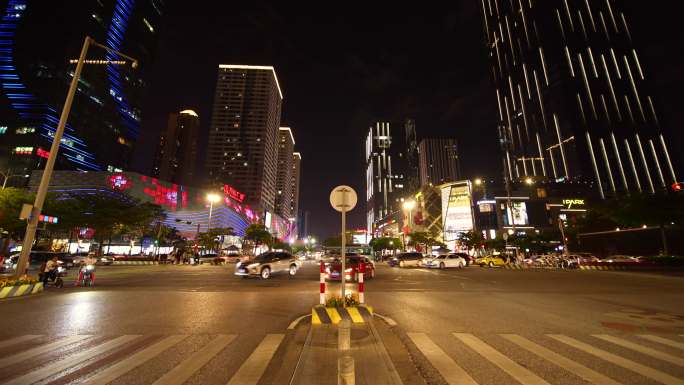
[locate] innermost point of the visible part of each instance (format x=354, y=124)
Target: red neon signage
x=231, y=192
x=119, y=182
x=42, y=153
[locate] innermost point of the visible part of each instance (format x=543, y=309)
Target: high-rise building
x=283, y=198
x=412, y=169
x=574, y=99
x=438, y=160
x=243, y=134
x=176, y=156
x=37, y=67
x=296, y=175
x=385, y=165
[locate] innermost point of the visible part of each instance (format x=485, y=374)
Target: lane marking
x=13, y=359
x=60, y=365
x=195, y=362
x=16, y=340
x=294, y=323
x=641, y=349
x=122, y=367
x=447, y=367
x=509, y=366
x=387, y=319
x=251, y=370
x=563, y=362
x=661, y=340
x=619, y=361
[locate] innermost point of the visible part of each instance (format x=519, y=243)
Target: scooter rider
x=89, y=260
x=50, y=270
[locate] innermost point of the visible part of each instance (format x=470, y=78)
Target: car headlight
x=90, y=267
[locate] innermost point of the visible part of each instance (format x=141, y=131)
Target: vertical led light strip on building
x=31, y=111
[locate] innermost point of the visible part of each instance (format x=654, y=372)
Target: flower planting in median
x=26, y=280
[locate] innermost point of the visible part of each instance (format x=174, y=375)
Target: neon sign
x=42, y=153
x=573, y=202
x=233, y=193
x=23, y=150
x=120, y=182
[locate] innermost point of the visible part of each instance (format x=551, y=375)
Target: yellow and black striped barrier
x=20, y=290
x=333, y=315
x=120, y=263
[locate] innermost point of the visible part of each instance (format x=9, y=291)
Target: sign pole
x=343, y=252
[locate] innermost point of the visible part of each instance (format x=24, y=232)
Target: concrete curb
x=122, y=263
x=21, y=290
x=333, y=315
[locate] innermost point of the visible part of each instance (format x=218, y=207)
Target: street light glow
x=477, y=181
x=529, y=181
x=213, y=198
x=409, y=205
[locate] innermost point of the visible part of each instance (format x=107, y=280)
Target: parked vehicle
x=446, y=261
x=491, y=261
x=406, y=259
x=266, y=264
x=333, y=269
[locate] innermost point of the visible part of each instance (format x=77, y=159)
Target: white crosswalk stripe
x=661, y=340
x=187, y=368
x=122, y=367
x=16, y=340
x=70, y=361
x=619, y=361
x=100, y=371
x=457, y=370
x=447, y=367
x=568, y=364
x=509, y=366
x=251, y=370
x=642, y=349
x=40, y=350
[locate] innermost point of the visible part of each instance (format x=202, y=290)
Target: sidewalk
x=318, y=363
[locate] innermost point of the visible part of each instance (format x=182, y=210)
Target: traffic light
x=677, y=186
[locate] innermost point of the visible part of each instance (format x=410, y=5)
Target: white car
x=445, y=261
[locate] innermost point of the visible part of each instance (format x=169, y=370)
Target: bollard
x=345, y=371
x=344, y=335
x=362, y=271
x=322, y=284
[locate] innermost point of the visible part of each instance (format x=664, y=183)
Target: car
x=466, y=257
x=406, y=259
x=333, y=269
x=106, y=260
x=266, y=264
x=491, y=261
x=444, y=261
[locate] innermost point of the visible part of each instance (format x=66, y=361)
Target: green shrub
x=337, y=301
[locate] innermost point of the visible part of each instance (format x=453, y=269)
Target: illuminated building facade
x=244, y=131
x=573, y=98
x=385, y=172
x=39, y=40
x=283, y=199
x=438, y=161
x=296, y=175
x=176, y=156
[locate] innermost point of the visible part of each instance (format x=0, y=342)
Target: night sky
x=341, y=68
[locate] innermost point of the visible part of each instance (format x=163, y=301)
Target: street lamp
x=477, y=181
x=212, y=198
x=409, y=205
x=529, y=181
x=7, y=175
x=30, y=235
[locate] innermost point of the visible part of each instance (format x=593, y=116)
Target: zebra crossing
x=100, y=360
x=602, y=359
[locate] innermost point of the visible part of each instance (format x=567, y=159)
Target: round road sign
x=343, y=198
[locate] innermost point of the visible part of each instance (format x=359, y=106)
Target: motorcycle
x=86, y=276
x=56, y=277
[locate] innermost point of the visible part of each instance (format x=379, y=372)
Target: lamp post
x=410, y=205
x=30, y=235
x=212, y=198
x=7, y=175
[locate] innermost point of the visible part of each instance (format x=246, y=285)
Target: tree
x=424, y=238
x=280, y=245
x=659, y=209
x=385, y=243
x=209, y=239
x=471, y=239
x=11, y=201
x=258, y=235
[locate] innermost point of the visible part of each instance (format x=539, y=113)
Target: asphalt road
x=476, y=325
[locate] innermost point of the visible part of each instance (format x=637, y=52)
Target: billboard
x=517, y=214
x=457, y=214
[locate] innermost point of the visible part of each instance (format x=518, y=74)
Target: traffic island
x=20, y=290
x=321, y=314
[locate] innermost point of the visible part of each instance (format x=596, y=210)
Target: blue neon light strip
x=26, y=104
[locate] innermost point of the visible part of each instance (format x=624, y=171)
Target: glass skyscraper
x=38, y=39
x=574, y=101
